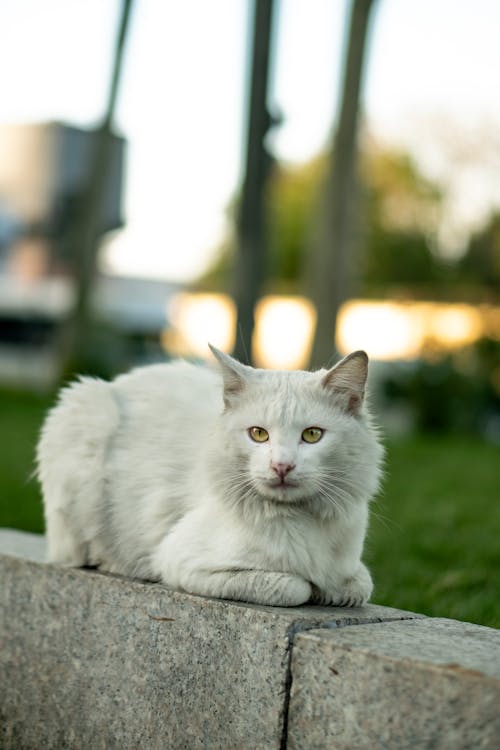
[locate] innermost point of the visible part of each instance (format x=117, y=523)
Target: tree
x=249, y=268
x=77, y=333
x=332, y=242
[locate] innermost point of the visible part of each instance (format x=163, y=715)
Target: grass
x=433, y=545
x=434, y=540
x=21, y=415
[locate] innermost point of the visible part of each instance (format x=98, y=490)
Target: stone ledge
x=90, y=660
x=429, y=683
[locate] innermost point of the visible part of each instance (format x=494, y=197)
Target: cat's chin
x=282, y=493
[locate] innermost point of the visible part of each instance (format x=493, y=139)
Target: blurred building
x=44, y=172
x=44, y=169
x=31, y=313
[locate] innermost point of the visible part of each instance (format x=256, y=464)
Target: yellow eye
x=258, y=434
x=312, y=434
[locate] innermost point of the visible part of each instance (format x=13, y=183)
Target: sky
x=431, y=86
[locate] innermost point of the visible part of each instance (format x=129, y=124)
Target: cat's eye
x=312, y=434
x=258, y=434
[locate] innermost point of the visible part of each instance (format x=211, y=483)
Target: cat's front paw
x=284, y=590
x=353, y=591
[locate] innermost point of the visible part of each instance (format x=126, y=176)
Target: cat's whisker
x=386, y=522
x=327, y=494
x=335, y=488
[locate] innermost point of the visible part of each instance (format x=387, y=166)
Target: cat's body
x=252, y=486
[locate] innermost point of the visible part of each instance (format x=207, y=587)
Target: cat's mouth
x=280, y=490
x=282, y=483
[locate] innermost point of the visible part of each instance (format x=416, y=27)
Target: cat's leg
x=203, y=556
x=345, y=591
x=255, y=586
x=62, y=545
x=343, y=580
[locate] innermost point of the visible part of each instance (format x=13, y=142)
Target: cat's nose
x=282, y=469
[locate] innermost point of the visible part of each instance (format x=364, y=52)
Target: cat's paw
x=254, y=586
x=295, y=591
x=282, y=590
x=353, y=591
x=63, y=548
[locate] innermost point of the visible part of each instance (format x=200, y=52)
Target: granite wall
x=89, y=660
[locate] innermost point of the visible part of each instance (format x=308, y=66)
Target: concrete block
x=429, y=683
x=89, y=660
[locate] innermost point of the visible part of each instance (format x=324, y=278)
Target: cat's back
x=179, y=374
x=167, y=413
x=170, y=389
x=139, y=411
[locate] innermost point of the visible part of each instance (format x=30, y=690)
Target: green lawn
x=21, y=415
x=434, y=542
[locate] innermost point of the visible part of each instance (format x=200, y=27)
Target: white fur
x=154, y=475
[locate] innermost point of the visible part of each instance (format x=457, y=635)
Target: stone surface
x=89, y=660
x=429, y=683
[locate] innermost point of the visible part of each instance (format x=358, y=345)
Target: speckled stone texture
x=90, y=661
x=429, y=683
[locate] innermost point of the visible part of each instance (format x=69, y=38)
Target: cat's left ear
x=234, y=375
x=347, y=381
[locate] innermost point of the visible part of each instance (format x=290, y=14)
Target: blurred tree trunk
x=333, y=238
x=250, y=258
x=77, y=333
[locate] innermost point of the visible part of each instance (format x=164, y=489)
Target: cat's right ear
x=346, y=381
x=234, y=375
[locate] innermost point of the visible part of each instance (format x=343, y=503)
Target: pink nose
x=282, y=469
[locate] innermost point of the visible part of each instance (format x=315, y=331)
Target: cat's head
x=298, y=437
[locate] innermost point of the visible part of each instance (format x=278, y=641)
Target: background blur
x=290, y=181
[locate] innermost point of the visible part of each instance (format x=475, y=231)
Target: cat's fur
x=155, y=475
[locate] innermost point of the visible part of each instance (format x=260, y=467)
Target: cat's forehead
x=285, y=398
x=274, y=385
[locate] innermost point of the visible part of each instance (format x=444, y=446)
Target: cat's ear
x=234, y=375
x=347, y=380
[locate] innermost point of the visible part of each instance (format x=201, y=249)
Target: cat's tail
x=71, y=456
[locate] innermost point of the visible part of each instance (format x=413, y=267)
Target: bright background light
x=284, y=328
x=283, y=332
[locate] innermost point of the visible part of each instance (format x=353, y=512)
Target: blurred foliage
x=401, y=219
x=402, y=213
x=457, y=392
x=109, y=350
x=292, y=201
x=481, y=264
x=103, y=353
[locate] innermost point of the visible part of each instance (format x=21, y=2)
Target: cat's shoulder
x=168, y=375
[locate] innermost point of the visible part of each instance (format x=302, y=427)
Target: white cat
x=251, y=486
